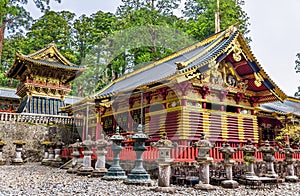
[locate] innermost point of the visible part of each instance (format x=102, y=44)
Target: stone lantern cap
x=117, y=137
x=139, y=135
x=164, y=142
x=102, y=143
x=76, y=145
x=19, y=142
x=248, y=147
x=88, y=142
x=267, y=148
x=227, y=149
x=58, y=143
x=203, y=142
x=47, y=143
x=2, y=143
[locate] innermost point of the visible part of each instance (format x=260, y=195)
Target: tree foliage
x=142, y=31
x=200, y=15
x=15, y=18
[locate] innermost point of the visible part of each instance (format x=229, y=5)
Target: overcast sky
x=275, y=33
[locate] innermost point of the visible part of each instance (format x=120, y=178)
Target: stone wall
x=32, y=134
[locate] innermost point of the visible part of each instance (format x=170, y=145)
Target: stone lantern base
x=205, y=187
x=232, y=184
x=138, y=179
x=85, y=171
x=17, y=161
x=99, y=172
x=170, y=190
x=115, y=174
x=2, y=161
x=291, y=179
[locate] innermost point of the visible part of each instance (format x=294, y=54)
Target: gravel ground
x=35, y=179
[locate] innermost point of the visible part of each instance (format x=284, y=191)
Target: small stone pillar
x=57, y=162
x=288, y=151
x=249, y=157
x=19, y=146
x=76, y=155
x=86, y=168
x=138, y=175
x=227, y=152
x=2, y=144
x=51, y=154
x=164, y=161
x=46, y=145
x=268, y=156
x=203, y=158
x=115, y=172
x=100, y=169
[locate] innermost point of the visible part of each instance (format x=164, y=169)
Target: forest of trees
x=93, y=40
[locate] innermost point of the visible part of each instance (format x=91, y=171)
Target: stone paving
x=35, y=179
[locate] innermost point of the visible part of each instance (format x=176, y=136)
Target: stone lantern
x=2, y=144
x=58, y=145
x=115, y=172
x=164, y=161
x=19, y=146
x=46, y=145
x=203, y=158
x=268, y=156
x=249, y=157
x=100, y=169
x=227, y=152
x=86, y=168
x=138, y=175
x=288, y=151
x=76, y=155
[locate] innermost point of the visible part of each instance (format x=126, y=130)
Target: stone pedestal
x=74, y=167
x=2, y=144
x=204, y=160
x=227, y=151
x=115, y=172
x=57, y=162
x=164, y=169
x=268, y=156
x=46, y=145
x=76, y=155
x=86, y=168
x=138, y=175
x=19, y=146
x=100, y=169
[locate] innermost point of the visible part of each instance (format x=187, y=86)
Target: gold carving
x=236, y=51
x=258, y=79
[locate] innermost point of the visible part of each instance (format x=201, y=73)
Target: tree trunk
x=2, y=30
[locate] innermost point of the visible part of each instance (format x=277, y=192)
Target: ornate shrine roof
x=48, y=57
x=289, y=106
x=8, y=93
x=198, y=59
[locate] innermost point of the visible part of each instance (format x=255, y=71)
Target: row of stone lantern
x=52, y=153
x=18, y=159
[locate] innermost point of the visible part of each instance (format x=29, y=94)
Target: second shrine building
x=215, y=86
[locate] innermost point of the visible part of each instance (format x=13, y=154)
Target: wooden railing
x=187, y=154
x=36, y=118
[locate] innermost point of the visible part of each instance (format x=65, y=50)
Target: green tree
x=13, y=16
x=297, y=68
x=149, y=16
x=54, y=27
x=200, y=16
x=164, y=7
x=89, y=34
